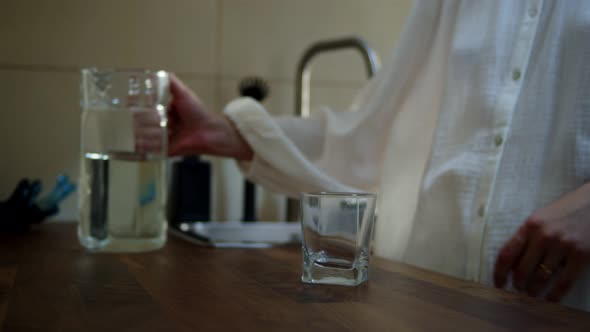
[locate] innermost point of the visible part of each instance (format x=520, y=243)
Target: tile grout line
x=320, y=82
x=42, y=68
x=216, y=76
x=39, y=68
x=216, y=206
x=218, y=55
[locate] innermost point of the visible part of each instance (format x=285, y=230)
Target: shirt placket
x=499, y=134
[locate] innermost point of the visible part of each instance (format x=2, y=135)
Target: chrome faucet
x=303, y=81
x=303, y=78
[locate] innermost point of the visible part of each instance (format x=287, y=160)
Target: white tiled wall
x=267, y=37
x=38, y=128
x=211, y=44
x=179, y=35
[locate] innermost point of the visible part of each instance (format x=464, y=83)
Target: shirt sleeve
x=336, y=151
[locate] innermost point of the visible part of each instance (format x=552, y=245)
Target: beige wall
x=211, y=44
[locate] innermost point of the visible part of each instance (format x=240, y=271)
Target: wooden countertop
x=49, y=283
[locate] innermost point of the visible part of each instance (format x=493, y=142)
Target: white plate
x=237, y=234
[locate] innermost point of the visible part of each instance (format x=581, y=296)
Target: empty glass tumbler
x=337, y=230
x=123, y=154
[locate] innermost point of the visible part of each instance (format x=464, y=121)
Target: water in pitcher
x=122, y=202
x=122, y=159
x=122, y=190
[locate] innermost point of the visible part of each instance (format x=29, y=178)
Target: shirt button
x=516, y=74
x=498, y=140
x=533, y=11
x=482, y=210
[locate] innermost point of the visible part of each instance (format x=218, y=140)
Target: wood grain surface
x=49, y=283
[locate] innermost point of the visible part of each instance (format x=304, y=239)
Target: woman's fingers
x=149, y=145
x=532, y=255
x=143, y=119
x=546, y=270
x=566, y=278
x=150, y=139
x=508, y=256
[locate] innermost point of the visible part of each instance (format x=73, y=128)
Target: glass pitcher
x=123, y=156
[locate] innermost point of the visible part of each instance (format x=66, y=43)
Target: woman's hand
x=550, y=249
x=192, y=129
x=195, y=130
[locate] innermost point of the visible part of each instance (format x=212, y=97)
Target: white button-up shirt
x=481, y=117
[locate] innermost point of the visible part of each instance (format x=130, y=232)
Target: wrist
x=226, y=141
